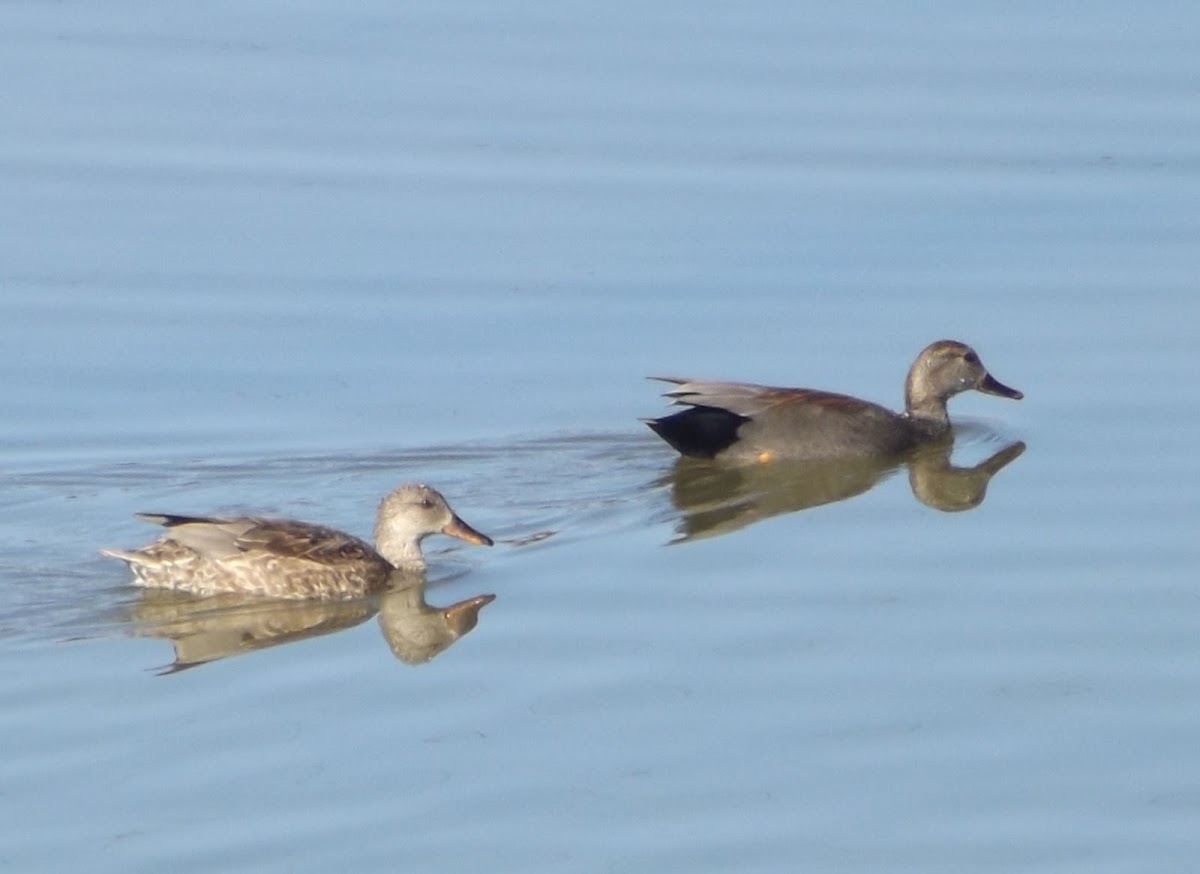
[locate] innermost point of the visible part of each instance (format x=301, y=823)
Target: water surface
x=280, y=260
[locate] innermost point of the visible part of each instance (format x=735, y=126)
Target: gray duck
x=737, y=422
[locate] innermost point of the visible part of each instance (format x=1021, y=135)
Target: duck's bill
x=994, y=387
x=458, y=528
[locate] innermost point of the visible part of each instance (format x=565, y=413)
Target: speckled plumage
x=284, y=558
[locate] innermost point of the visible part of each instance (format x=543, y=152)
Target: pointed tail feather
x=169, y=520
x=123, y=554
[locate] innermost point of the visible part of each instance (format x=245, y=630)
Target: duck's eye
x=426, y=504
x=971, y=358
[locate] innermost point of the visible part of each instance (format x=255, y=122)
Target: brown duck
x=283, y=558
x=740, y=422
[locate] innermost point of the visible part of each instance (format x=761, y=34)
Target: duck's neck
x=401, y=551
x=923, y=405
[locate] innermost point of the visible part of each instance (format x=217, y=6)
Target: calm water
x=282, y=258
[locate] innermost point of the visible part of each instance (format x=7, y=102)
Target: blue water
x=280, y=259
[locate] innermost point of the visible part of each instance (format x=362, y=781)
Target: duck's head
x=410, y=514
x=944, y=369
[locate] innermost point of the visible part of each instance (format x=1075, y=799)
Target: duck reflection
x=937, y=483
x=715, y=500
x=204, y=629
x=416, y=631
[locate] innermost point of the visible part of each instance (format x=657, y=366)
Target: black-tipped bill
x=991, y=386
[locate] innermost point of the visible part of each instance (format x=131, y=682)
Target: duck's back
x=740, y=422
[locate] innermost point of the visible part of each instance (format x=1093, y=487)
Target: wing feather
x=747, y=399
x=302, y=540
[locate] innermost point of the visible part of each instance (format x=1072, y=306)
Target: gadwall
x=283, y=558
x=741, y=422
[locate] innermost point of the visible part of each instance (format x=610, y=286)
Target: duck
x=740, y=423
x=285, y=558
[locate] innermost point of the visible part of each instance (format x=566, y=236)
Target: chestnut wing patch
x=748, y=399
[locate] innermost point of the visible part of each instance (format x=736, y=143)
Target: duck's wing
x=208, y=536
x=217, y=539
x=288, y=538
x=747, y=399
